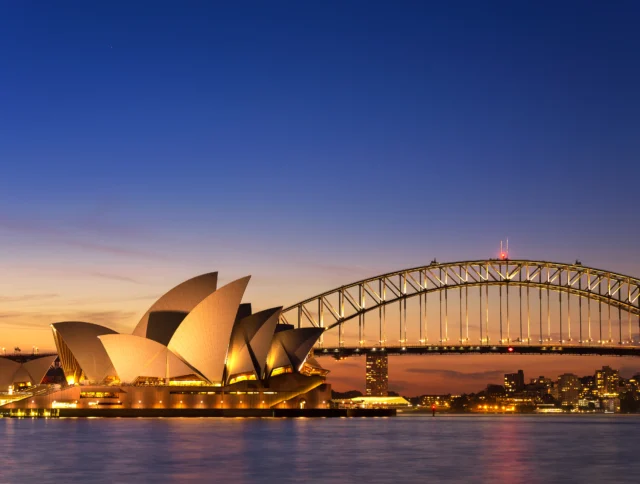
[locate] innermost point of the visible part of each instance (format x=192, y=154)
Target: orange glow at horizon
x=117, y=297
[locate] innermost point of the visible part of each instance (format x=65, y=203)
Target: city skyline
x=158, y=143
x=603, y=380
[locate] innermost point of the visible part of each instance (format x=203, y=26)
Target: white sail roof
x=291, y=347
x=32, y=371
x=203, y=338
x=81, y=340
x=8, y=369
x=134, y=356
x=183, y=298
x=250, y=342
x=38, y=368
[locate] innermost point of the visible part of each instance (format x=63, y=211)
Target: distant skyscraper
x=569, y=389
x=539, y=387
x=607, y=382
x=588, y=387
x=514, y=382
x=377, y=375
x=542, y=381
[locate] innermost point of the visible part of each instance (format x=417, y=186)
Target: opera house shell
x=198, y=346
x=16, y=375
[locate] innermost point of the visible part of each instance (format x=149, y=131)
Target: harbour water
x=402, y=449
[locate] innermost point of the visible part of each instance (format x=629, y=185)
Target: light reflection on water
x=401, y=449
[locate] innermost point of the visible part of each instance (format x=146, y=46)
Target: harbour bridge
x=488, y=306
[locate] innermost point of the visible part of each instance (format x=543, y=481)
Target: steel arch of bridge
x=618, y=291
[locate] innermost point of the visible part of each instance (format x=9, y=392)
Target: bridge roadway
x=500, y=349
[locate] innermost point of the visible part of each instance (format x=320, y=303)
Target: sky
x=309, y=144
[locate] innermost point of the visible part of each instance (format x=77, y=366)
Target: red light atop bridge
x=504, y=251
x=510, y=349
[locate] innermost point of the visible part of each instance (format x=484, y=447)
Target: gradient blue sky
x=308, y=144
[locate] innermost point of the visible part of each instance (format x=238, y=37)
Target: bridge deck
x=516, y=349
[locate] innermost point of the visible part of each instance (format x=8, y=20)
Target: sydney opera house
x=197, y=347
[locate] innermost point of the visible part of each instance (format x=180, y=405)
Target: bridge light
x=510, y=349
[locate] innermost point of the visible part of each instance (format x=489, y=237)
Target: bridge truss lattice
x=606, y=307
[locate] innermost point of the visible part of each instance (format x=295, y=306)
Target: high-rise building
x=542, y=381
x=606, y=382
x=611, y=405
x=633, y=384
x=377, y=375
x=569, y=389
x=588, y=387
x=514, y=382
x=539, y=387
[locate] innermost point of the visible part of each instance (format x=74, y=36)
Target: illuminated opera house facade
x=197, y=347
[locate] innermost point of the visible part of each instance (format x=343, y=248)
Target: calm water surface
x=402, y=449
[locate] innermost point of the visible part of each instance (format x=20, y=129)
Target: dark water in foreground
x=401, y=449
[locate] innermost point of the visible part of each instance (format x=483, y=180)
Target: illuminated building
x=15, y=375
x=542, y=381
x=611, y=405
x=569, y=389
x=492, y=408
x=440, y=401
x=197, y=347
x=371, y=402
x=377, y=377
x=589, y=404
x=633, y=384
x=548, y=408
x=539, y=388
x=606, y=382
x=514, y=382
x=588, y=387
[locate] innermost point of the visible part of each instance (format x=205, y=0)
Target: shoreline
x=197, y=413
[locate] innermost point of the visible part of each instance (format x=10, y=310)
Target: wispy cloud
x=628, y=371
x=74, y=236
x=349, y=272
x=114, y=319
x=112, y=249
x=401, y=386
x=114, y=277
x=458, y=375
x=349, y=364
x=74, y=271
x=28, y=297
